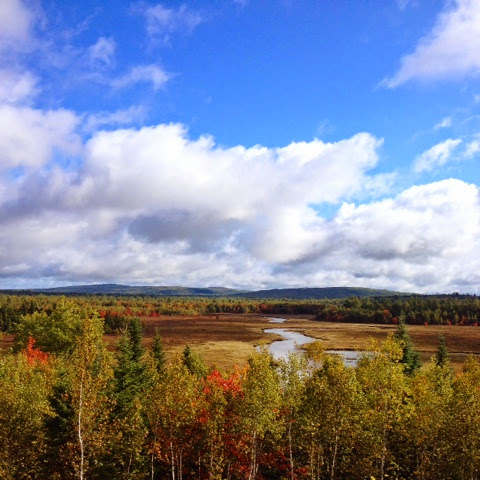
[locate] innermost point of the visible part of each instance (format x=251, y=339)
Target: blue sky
x=241, y=143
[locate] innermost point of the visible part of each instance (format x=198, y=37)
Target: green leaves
x=57, y=332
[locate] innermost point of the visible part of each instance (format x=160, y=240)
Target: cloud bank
x=152, y=205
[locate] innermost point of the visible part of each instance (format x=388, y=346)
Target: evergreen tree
x=157, y=353
x=130, y=385
x=194, y=362
x=441, y=357
x=130, y=373
x=410, y=357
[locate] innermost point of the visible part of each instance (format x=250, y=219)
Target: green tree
x=330, y=419
x=293, y=372
x=57, y=332
x=410, y=357
x=173, y=416
x=385, y=391
x=130, y=372
x=260, y=407
x=23, y=407
x=463, y=432
x=194, y=362
x=131, y=382
x=157, y=353
x=81, y=407
x=441, y=357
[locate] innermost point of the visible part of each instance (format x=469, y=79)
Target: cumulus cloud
x=152, y=74
x=436, y=156
x=152, y=205
x=29, y=137
x=450, y=50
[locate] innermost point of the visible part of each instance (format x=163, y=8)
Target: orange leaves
x=34, y=355
x=231, y=384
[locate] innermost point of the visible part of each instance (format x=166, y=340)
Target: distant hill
x=318, y=293
x=176, y=291
x=115, y=289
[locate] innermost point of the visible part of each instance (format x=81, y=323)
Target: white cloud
x=28, y=136
x=102, y=53
x=450, y=50
x=152, y=205
x=16, y=21
x=17, y=87
x=152, y=74
x=446, y=122
x=472, y=148
x=122, y=117
x=436, y=156
x=426, y=238
x=163, y=21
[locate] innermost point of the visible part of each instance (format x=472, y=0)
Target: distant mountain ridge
x=319, y=293
x=160, y=291
x=179, y=291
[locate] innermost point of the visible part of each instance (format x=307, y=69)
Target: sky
x=240, y=143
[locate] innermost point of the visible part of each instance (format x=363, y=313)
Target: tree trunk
x=290, y=450
x=79, y=431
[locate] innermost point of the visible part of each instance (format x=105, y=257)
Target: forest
x=117, y=310
x=72, y=409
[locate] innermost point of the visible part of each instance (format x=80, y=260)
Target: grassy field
x=226, y=340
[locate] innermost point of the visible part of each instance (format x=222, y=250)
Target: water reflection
x=293, y=340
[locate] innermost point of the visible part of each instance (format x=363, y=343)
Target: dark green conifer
x=157, y=353
x=441, y=357
x=410, y=358
x=130, y=373
x=194, y=362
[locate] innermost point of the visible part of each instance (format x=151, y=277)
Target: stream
x=292, y=340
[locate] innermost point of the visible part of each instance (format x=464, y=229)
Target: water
x=350, y=357
x=293, y=340
x=277, y=320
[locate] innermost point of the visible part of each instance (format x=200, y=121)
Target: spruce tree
x=410, y=358
x=130, y=373
x=441, y=357
x=194, y=362
x=157, y=353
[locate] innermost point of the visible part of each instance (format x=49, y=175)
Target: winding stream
x=293, y=340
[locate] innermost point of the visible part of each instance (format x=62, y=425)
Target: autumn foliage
x=93, y=414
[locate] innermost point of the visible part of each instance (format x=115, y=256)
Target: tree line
x=117, y=311
x=70, y=409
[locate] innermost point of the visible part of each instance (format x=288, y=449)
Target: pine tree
x=194, y=362
x=441, y=357
x=410, y=358
x=157, y=353
x=131, y=382
x=130, y=373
